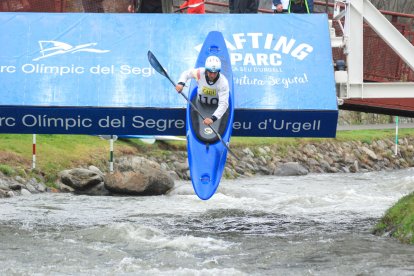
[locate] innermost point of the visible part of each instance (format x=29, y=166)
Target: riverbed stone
x=3, y=193
x=97, y=190
x=4, y=185
x=290, y=169
x=139, y=183
x=248, y=152
x=80, y=178
x=25, y=192
x=370, y=153
x=95, y=169
x=30, y=188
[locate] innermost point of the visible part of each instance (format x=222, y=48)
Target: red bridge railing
x=381, y=63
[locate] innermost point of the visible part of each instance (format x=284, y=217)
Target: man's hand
x=208, y=121
x=279, y=8
x=179, y=88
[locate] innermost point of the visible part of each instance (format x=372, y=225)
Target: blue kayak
x=207, y=154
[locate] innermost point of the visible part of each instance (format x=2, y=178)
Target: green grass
x=344, y=135
x=399, y=220
x=371, y=135
x=53, y=152
x=7, y=170
x=59, y=152
x=349, y=135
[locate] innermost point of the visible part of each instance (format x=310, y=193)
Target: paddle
x=190, y=6
x=158, y=67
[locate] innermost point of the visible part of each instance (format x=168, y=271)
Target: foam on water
x=314, y=224
x=368, y=193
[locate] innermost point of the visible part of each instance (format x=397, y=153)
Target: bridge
x=378, y=75
x=46, y=99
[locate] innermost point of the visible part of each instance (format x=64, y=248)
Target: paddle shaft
x=193, y=106
x=202, y=117
x=157, y=66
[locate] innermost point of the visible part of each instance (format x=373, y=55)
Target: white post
x=111, y=154
x=396, y=136
x=34, y=152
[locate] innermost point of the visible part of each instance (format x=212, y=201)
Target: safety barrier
x=381, y=64
x=75, y=80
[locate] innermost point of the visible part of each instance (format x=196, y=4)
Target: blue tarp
x=89, y=73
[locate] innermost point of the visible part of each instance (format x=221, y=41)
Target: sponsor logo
x=257, y=59
x=265, y=49
x=208, y=131
x=50, y=48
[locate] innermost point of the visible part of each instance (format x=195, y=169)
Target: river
x=319, y=224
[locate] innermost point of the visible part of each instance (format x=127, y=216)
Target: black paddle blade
x=157, y=66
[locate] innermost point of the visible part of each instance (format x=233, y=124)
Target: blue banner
x=80, y=73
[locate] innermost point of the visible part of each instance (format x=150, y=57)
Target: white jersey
x=218, y=93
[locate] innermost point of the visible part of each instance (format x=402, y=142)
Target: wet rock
x=153, y=182
x=3, y=193
x=370, y=153
x=4, y=185
x=30, y=188
x=80, y=179
x=65, y=188
x=248, y=152
x=135, y=163
x=16, y=186
x=25, y=192
x=290, y=169
x=173, y=175
x=96, y=169
x=97, y=190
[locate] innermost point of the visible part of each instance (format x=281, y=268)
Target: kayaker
x=213, y=87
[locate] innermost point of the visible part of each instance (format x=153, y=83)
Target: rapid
x=318, y=224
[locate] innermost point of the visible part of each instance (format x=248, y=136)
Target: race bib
x=209, y=91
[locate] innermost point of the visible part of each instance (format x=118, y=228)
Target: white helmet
x=213, y=64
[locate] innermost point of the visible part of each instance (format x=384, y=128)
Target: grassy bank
x=58, y=152
x=398, y=221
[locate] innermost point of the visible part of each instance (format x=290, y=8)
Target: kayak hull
x=207, y=154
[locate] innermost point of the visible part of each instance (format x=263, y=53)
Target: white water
x=313, y=225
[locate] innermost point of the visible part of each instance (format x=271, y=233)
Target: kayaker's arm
x=185, y=76
x=210, y=121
